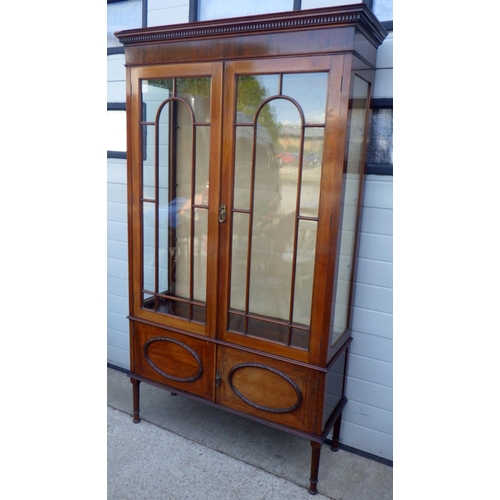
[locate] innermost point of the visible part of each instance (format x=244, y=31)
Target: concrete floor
x=183, y=449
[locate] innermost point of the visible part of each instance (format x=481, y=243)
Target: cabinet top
x=357, y=16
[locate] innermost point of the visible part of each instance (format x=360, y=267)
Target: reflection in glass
x=252, y=91
x=349, y=205
x=176, y=115
x=309, y=89
x=154, y=95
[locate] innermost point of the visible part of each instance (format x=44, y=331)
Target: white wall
x=161, y=12
x=367, y=418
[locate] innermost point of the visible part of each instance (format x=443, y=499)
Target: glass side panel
x=349, y=207
x=176, y=136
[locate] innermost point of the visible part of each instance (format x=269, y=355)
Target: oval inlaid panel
x=186, y=359
x=261, y=385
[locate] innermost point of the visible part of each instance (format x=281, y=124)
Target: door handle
x=222, y=213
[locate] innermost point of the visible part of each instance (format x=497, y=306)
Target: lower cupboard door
x=270, y=389
x=173, y=359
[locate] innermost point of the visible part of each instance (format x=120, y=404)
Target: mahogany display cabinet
x=245, y=156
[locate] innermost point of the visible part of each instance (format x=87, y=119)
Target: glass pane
x=175, y=179
x=309, y=90
x=243, y=167
x=154, y=94
x=237, y=323
x=239, y=253
x=148, y=164
x=300, y=338
x=311, y=172
x=196, y=92
x=182, y=178
x=306, y=250
x=148, y=235
x=252, y=91
x=199, y=314
x=269, y=331
x=350, y=193
x=277, y=175
x=202, y=164
x=273, y=222
x=200, y=255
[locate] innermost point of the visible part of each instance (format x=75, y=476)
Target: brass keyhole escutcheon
x=218, y=378
x=222, y=213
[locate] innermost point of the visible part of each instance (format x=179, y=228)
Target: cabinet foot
x=135, y=397
x=336, y=434
x=315, y=455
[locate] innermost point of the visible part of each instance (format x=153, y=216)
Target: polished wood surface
x=170, y=358
x=270, y=389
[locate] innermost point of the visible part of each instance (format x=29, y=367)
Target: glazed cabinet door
x=175, y=120
x=281, y=129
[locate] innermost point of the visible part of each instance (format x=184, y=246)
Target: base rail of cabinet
x=315, y=441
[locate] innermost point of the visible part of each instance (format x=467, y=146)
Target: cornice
x=358, y=15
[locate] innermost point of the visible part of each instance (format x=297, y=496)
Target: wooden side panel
x=173, y=359
x=270, y=389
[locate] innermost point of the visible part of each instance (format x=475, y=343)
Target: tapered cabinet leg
x=135, y=397
x=336, y=434
x=315, y=455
